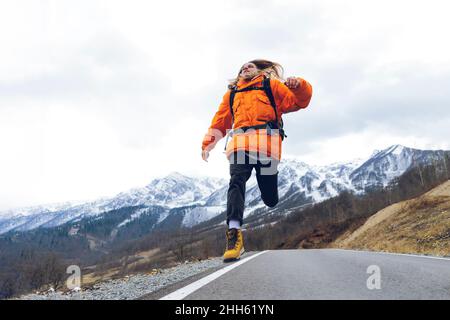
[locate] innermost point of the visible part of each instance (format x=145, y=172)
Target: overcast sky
x=97, y=97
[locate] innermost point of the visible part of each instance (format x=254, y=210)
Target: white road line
x=395, y=254
x=187, y=290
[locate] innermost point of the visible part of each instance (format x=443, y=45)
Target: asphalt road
x=322, y=274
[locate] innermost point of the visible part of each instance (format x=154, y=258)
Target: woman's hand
x=292, y=82
x=205, y=155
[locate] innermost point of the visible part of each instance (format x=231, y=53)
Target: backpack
x=274, y=124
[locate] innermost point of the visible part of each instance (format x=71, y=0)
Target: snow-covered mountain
x=191, y=200
x=390, y=163
x=174, y=190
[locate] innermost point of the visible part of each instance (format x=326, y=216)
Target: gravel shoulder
x=134, y=286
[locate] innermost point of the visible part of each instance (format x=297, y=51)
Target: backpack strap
x=232, y=94
x=268, y=91
x=269, y=94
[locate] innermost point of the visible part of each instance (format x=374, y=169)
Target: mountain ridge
x=198, y=199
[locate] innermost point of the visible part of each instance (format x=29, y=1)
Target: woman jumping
x=250, y=113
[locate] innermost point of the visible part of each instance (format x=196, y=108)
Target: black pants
x=241, y=166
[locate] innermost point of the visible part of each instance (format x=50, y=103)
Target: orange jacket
x=252, y=108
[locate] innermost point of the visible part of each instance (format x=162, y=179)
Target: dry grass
x=420, y=225
x=92, y=278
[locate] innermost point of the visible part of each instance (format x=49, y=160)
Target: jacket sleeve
x=219, y=124
x=290, y=100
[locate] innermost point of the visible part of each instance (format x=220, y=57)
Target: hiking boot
x=235, y=245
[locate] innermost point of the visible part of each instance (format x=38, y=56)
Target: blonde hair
x=270, y=69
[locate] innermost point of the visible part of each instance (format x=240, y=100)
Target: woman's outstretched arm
x=219, y=124
x=294, y=98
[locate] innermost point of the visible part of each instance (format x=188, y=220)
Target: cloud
x=405, y=101
x=98, y=97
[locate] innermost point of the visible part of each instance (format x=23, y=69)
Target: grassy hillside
x=420, y=225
